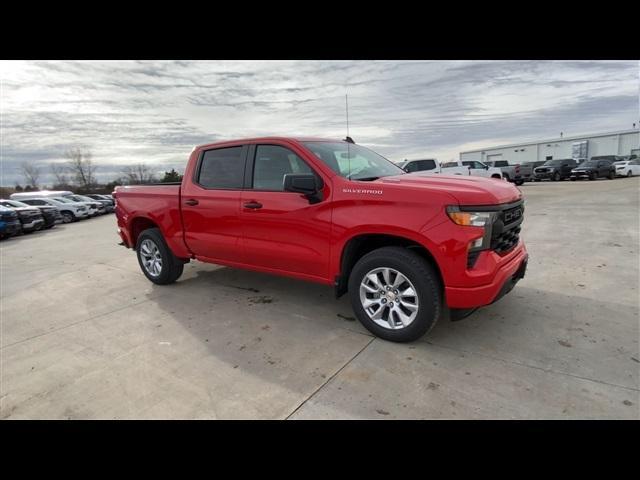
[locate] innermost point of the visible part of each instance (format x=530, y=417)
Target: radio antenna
x=346, y=104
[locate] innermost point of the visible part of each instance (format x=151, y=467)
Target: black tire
x=592, y=176
x=612, y=175
x=172, y=266
x=629, y=174
x=573, y=179
x=68, y=217
x=519, y=182
x=419, y=272
x=557, y=177
x=536, y=179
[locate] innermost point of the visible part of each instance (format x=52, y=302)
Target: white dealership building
x=625, y=142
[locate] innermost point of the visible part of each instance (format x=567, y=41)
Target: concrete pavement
x=84, y=335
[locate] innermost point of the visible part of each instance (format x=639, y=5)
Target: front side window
x=412, y=167
x=222, y=168
x=272, y=163
x=353, y=161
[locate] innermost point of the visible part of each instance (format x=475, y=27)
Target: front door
x=283, y=231
x=211, y=205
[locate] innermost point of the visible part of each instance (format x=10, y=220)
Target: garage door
x=493, y=158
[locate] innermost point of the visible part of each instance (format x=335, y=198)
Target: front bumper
x=503, y=281
x=33, y=224
x=11, y=228
x=581, y=174
x=542, y=175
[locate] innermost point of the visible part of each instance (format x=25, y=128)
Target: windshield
x=555, y=163
x=353, y=161
x=14, y=204
x=590, y=163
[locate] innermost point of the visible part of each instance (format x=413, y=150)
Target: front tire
x=156, y=261
x=556, y=177
x=395, y=293
x=68, y=217
x=629, y=174
x=519, y=182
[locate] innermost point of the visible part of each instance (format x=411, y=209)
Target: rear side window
x=272, y=163
x=222, y=168
x=427, y=164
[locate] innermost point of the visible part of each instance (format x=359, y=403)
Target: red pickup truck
x=333, y=212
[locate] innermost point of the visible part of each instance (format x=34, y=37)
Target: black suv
x=555, y=170
x=595, y=168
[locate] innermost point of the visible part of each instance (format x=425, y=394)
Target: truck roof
x=267, y=139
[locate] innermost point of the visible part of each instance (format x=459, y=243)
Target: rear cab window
x=221, y=168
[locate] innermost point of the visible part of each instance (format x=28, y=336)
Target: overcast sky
x=128, y=112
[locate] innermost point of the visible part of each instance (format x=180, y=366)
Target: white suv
x=70, y=211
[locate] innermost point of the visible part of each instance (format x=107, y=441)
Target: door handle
x=192, y=202
x=253, y=204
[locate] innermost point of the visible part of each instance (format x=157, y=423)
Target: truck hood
x=467, y=190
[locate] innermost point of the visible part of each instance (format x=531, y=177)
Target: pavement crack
x=330, y=378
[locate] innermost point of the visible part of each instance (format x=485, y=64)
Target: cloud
x=154, y=112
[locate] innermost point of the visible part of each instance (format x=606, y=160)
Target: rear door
x=210, y=204
x=282, y=231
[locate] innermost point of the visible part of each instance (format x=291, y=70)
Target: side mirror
x=486, y=167
x=406, y=169
x=306, y=183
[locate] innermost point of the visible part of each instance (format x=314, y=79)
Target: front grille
x=8, y=216
x=506, y=229
x=506, y=241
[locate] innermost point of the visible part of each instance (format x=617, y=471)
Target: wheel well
x=139, y=225
x=359, y=246
x=495, y=175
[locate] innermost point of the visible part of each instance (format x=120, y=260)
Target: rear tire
x=519, y=182
x=156, y=261
x=556, y=177
x=420, y=278
x=629, y=174
x=612, y=175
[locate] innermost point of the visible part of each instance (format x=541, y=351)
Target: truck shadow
x=294, y=335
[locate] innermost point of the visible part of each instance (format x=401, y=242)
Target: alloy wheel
x=389, y=298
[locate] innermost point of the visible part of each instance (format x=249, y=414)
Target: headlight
x=474, y=219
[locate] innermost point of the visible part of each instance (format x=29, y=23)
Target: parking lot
x=85, y=335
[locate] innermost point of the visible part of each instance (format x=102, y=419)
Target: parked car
x=108, y=203
x=69, y=211
x=516, y=173
x=30, y=217
x=95, y=207
x=627, y=168
x=9, y=222
x=466, y=168
x=50, y=214
x=593, y=169
x=401, y=245
x=555, y=170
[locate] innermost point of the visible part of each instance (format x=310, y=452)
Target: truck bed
x=159, y=203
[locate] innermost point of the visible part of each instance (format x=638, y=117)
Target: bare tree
x=138, y=174
x=31, y=173
x=81, y=167
x=59, y=171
